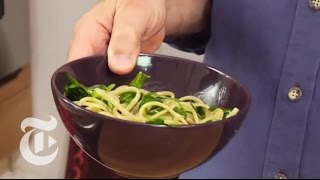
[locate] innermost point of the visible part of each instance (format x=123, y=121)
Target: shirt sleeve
x=194, y=43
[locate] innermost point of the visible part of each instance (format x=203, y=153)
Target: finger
x=153, y=44
x=125, y=41
x=92, y=32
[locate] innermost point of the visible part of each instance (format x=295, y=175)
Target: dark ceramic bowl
x=137, y=150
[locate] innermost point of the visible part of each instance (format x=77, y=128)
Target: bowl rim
x=75, y=107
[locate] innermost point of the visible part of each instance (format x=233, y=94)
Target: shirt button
x=315, y=4
x=280, y=176
x=294, y=94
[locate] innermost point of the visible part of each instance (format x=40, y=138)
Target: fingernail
x=122, y=60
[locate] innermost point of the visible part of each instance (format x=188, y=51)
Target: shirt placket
x=294, y=96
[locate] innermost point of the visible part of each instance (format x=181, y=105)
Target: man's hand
x=124, y=28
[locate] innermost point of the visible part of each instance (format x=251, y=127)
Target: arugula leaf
x=96, y=95
x=127, y=97
x=149, y=97
x=74, y=90
x=153, y=110
x=181, y=111
x=139, y=80
x=212, y=108
x=109, y=104
x=157, y=121
x=226, y=112
x=103, y=87
x=107, y=89
x=200, y=112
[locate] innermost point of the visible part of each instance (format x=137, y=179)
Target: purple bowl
x=137, y=150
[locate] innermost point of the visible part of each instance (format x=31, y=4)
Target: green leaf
x=153, y=110
x=200, y=112
x=127, y=97
x=71, y=79
x=96, y=95
x=181, y=111
x=139, y=80
x=74, y=90
x=231, y=112
x=149, y=98
x=103, y=87
x=157, y=121
x=212, y=108
x=226, y=112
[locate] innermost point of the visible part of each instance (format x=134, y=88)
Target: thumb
x=125, y=42
x=92, y=32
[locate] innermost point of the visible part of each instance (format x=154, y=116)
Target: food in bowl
x=140, y=150
x=132, y=102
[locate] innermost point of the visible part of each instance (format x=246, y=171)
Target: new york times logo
x=37, y=133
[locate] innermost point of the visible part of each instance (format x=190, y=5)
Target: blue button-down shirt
x=270, y=46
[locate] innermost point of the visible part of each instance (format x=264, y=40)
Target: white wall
x=51, y=30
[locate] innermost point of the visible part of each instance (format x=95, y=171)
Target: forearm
x=186, y=17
